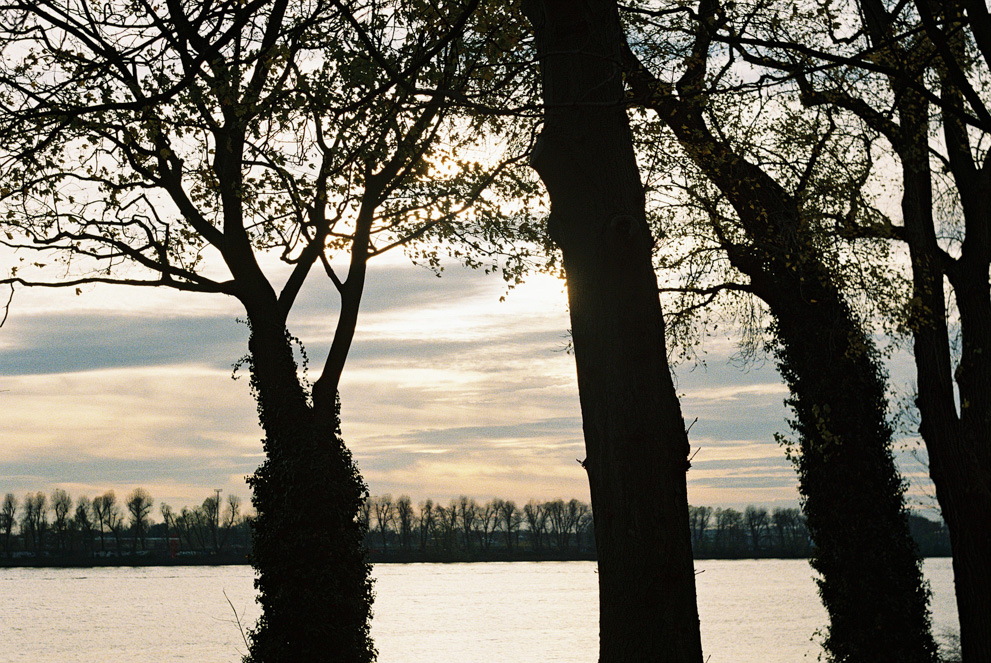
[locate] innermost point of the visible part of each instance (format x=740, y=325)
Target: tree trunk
x=960, y=466
x=872, y=584
x=634, y=433
x=312, y=572
x=959, y=445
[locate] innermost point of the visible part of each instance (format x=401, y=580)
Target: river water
x=752, y=611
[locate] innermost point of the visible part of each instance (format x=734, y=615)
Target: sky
x=447, y=392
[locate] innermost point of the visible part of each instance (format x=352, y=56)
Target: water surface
x=752, y=611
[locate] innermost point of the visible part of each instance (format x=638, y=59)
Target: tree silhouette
x=637, y=448
x=61, y=510
x=771, y=201
x=8, y=517
x=179, y=145
x=912, y=75
x=139, y=505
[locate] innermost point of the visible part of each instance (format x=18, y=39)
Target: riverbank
x=375, y=557
x=226, y=559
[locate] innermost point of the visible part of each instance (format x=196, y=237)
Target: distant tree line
x=57, y=527
x=468, y=529
x=499, y=529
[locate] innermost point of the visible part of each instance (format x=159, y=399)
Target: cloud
x=535, y=459
x=393, y=287
x=40, y=344
x=446, y=392
x=185, y=424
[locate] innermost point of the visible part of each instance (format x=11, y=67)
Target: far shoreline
x=374, y=558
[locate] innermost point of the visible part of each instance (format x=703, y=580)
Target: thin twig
x=237, y=620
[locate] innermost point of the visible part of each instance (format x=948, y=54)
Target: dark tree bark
x=634, y=433
x=957, y=441
x=312, y=572
x=872, y=585
x=954, y=405
x=960, y=446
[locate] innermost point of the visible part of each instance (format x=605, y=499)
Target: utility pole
x=216, y=521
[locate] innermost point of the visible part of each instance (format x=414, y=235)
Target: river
x=752, y=611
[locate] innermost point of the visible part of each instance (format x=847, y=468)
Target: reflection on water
x=752, y=611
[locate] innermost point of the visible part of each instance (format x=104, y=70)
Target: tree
x=957, y=437
x=468, y=513
x=575, y=517
x=508, y=519
x=139, y=505
x=168, y=519
x=82, y=522
x=209, y=513
x=8, y=517
x=729, y=537
x=426, y=523
x=558, y=519
x=365, y=516
x=61, y=506
x=142, y=140
x=535, y=515
x=232, y=516
x=580, y=518
x=758, y=523
x=772, y=219
x=447, y=525
x=113, y=518
x=34, y=521
x=909, y=72
x=404, y=514
x=28, y=532
x=931, y=536
x=793, y=538
x=488, y=518
x=100, y=519
x=384, y=516
x=698, y=521
x=637, y=448
x=196, y=527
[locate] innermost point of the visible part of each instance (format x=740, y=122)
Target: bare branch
x=225, y=287
x=6, y=308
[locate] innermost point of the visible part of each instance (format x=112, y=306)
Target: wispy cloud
x=447, y=391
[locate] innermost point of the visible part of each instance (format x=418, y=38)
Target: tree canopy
x=240, y=148
x=192, y=145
